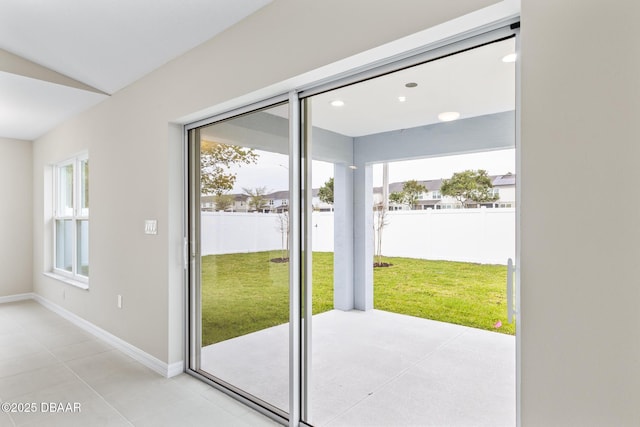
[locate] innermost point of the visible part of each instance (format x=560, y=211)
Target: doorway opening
x=420, y=277
x=290, y=213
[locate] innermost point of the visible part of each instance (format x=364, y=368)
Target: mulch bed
x=382, y=264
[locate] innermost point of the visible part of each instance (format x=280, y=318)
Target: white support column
x=343, y=237
x=385, y=186
x=363, y=237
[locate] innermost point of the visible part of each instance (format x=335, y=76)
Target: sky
x=494, y=162
x=272, y=170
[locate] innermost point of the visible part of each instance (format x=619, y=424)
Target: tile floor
x=377, y=368
x=45, y=358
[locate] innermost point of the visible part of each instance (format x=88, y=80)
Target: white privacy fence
x=483, y=235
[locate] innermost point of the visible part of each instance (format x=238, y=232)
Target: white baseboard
x=174, y=369
x=151, y=362
x=17, y=297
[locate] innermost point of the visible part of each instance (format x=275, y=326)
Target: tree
x=412, y=191
x=326, y=192
x=283, y=227
x=397, y=197
x=223, y=201
x=469, y=186
x=256, y=199
x=380, y=221
x=216, y=161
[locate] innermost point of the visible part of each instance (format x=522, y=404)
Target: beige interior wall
x=135, y=152
x=580, y=236
x=579, y=268
x=15, y=217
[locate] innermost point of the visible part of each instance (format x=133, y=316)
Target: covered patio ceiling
x=473, y=83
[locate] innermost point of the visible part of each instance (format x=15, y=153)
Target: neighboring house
x=239, y=203
x=504, y=186
x=208, y=204
x=276, y=202
x=318, y=205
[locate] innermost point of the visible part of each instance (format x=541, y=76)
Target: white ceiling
x=107, y=45
x=30, y=107
x=104, y=44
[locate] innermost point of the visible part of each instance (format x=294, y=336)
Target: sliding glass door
x=410, y=320
x=335, y=278
x=240, y=275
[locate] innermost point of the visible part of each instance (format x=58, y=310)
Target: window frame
x=79, y=213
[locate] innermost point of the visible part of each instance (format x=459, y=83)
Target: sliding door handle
x=185, y=254
x=511, y=269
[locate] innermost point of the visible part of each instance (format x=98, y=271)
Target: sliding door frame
x=192, y=253
x=300, y=147
x=295, y=263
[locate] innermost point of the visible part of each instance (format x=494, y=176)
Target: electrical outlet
x=119, y=301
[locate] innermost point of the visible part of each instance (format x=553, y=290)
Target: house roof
x=284, y=194
x=435, y=184
x=508, y=179
x=431, y=185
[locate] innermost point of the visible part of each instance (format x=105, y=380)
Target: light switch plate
x=151, y=226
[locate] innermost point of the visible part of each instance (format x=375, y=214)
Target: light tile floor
x=44, y=358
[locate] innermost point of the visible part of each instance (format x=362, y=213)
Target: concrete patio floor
x=377, y=368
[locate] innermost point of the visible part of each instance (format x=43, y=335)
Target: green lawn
x=454, y=292
x=243, y=293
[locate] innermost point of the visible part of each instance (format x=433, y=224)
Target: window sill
x=67, y=280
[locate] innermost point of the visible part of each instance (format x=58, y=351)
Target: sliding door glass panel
x=382, y=353
x=244, y=254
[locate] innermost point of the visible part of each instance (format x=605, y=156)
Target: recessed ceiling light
x=353, y=167
x=510, y=58
x=337, y=103
x=402, y=98
x=448, y=116
x=411, y=84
